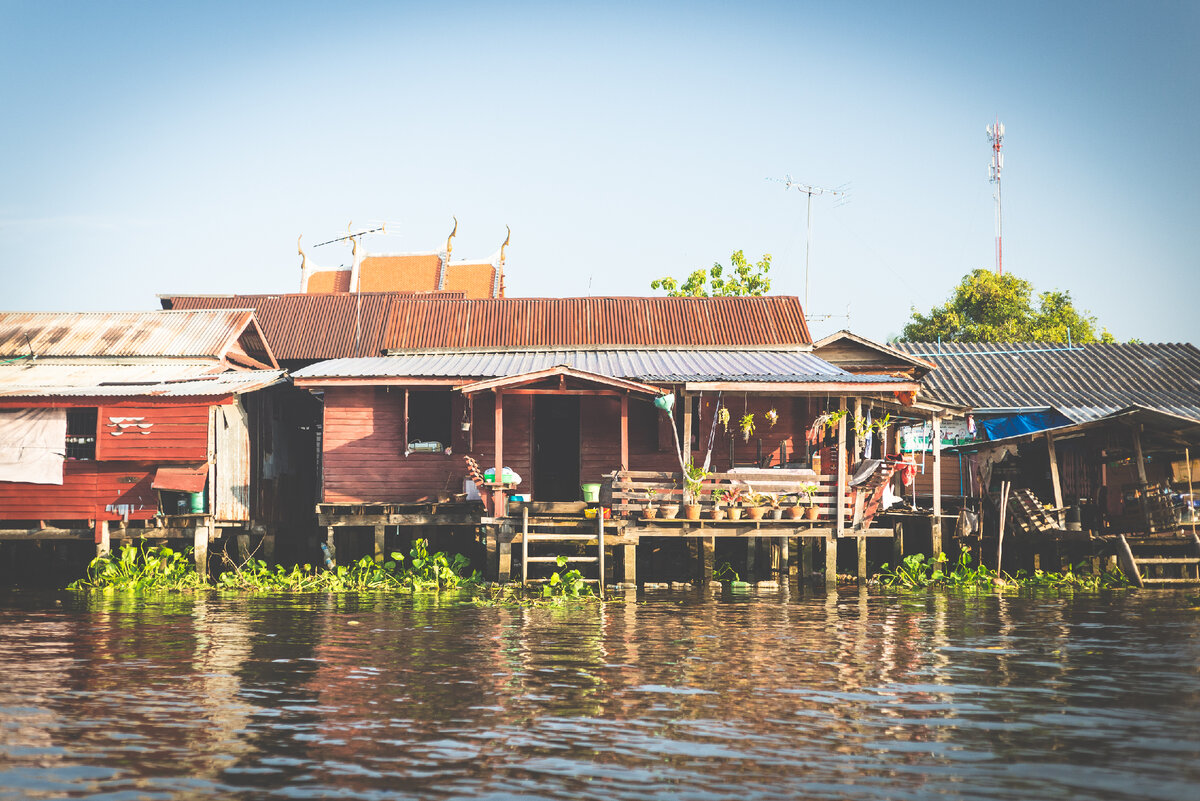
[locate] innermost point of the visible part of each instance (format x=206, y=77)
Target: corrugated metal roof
x=161, y=334
x=1084, y=382
x=306, y=327
x=633, y=321
x=56, y=380
x=666, y=366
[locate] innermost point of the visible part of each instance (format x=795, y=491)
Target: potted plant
x=746, y=424
x=757, y=501
x=649, y=511
x=794, y=510
x=668, y=507
x=811, y=511
x=732, y=497
x=693, y=481
x=774, y=504
x=718, y=511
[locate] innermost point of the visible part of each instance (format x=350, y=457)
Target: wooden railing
x=631, y=488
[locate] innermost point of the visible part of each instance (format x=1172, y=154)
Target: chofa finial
x=449, y=247
x=506, y=241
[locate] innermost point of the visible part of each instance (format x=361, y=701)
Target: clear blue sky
x=168, y=147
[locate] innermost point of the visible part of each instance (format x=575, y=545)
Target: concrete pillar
x=706, y=557
x=779, y=558
x=791, y=558
x=897, y=544
x=861, y=547
x=504, y=535
x=379, y=544
x=831, y=545
x=936, y=529
x=629, y=565
x=103, y=544
x=807, y=545
x=330, y=544
x=200, y=549
x=267, y=548
x=242, y=544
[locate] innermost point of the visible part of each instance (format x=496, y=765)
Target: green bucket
x=591, y=492
x=196, y=503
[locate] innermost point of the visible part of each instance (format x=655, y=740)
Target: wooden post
x=1055, y=483
x=807, y=544
x=200, y=549
x=1139, y=457
x=791, y=557
x=751, y=559
x=935, y=532
x=625, y=431
x=897, y=543
x=103, y=544
x=861, y=547
x=858, y=443
x=504, y=552
x=242, y=543
x=831, y=544
x=705, y=555
x=629, y=565
x=379, y=544
x=686, y=440
x=839, y=500
x=779, y=558
x=331, y=544
x=498, y=491
x=267, y=548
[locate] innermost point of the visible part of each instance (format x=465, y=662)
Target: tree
x=747, y=279
x=986, y=307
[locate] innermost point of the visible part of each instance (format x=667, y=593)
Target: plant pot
x=795, y=512
x=812, y=512
x=735, y=512
x=650, y=513
x=691, y=511
x=718, y=513
x=777, y=514
x=669, y=510
x=755, y=512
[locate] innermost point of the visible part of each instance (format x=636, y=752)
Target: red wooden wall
x=177, y=433
x=86, y=489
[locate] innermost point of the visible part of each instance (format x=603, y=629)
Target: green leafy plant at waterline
x=141, y=567
x=918, y=572
x=569, y=584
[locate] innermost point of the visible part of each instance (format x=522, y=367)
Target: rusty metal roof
x=153, y=334
x=629, y=321
x=665, y=366
x=308, y=327
x=61, y=379
x=1084, y=382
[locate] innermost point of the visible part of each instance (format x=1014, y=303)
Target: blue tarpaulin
x=1012, y=424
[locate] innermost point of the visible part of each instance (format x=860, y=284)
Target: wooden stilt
x=831, y=544
x=707, y=557
x=779, y=558
x=791, y=558
x=200, y=549
x=242, y=546
x=807, y=545
x=935, y=533
x=504, y=552
x=379, y=544
x=897, y=544
x=267, y=548
x=103, y=544
x=751, y=559
x=629, y=565
x=861, y=547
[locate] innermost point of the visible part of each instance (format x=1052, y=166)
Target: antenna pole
x=995, y=133
x=809, y=190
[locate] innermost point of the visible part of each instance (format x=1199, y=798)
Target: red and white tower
x=995, y=134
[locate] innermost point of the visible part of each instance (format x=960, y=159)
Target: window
x=429, y=416
x=81, y=433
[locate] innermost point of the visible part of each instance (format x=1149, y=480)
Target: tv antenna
x=995, y=135
x=841, y=197
x=353, y=234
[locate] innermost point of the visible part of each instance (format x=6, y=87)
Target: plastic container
x=196, y=503
x=591, y=493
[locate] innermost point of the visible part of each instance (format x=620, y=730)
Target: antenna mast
x=840, y=193
x=995, y=134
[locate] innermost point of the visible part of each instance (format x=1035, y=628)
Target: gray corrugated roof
x=1084, y=382
x=670, y=366
x=57, y=380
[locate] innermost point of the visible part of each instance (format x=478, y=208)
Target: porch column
x=686, y=440
x=498, y=491
x=858, y=443
x=1055, y=482
x=935, y=527
x=839, y=489
x=625, y=431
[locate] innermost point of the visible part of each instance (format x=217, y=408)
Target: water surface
x=680, y=695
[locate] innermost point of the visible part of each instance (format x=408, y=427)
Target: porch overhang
x=595, y=382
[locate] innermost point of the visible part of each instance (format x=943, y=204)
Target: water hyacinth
x=916, y=571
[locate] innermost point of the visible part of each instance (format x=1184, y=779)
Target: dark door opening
x=556, y=448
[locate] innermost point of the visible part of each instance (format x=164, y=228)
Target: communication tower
x=995, y=134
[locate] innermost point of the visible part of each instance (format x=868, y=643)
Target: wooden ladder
x=1148, y=560
x=557, y=531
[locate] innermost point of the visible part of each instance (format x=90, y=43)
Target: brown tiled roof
x=325, y=281
x=410, y=272
x=476, y=280
x=629, y=321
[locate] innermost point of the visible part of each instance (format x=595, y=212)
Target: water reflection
x=684, y=695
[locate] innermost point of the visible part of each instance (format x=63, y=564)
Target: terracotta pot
x=795, y=512
x=669, y=510
x=755, y=512
x=812, y=512
x=718, y=513
x=735, y=512
x=777, y=513
x=691, y=511
x=650, y=513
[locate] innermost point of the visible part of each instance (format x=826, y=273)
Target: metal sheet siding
x=230, y=479
x=1084, y=382
x=177, y=334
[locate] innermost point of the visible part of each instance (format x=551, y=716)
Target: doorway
x=556, y=448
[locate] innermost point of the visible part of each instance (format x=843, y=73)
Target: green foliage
x=154, y=568
x=986, y=307
x=746, y=279
x=694, y=476
x=917, y=572
x=568, y=584
x=724, y=572
x=141, y=567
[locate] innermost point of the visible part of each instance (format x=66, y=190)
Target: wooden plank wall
x=229, y=478
x=177, y=433
x=87, y=487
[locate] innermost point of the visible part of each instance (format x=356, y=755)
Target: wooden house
x=560, y=391
x=160, y=424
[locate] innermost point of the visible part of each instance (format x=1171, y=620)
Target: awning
x=563, y=372
x=181, y=479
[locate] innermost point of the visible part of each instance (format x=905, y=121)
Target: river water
x=689, y=695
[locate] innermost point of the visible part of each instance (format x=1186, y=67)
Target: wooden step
x=544, y=537
x=1162, y=560
x=1170, y=580
x=570, y=559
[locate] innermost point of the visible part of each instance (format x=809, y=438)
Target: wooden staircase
x=544, y=538
x=1161, y=560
